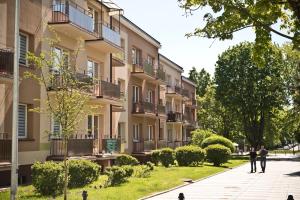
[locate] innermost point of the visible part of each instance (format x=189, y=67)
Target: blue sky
x=165, y=21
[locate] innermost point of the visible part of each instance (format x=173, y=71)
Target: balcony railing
x=70, y=12
x=5, y=147
x=178, y=89
x=107, y=89
x=149, y=145
x=162, y=144
x=138, y=146
x=142, y=107
x=144, y=68
x=174, y=89
x=160, y=74
x=111, y=145
x=6, y=62
x=174, y=117
x=78, y=145
x=119, y=56
x=161, y=109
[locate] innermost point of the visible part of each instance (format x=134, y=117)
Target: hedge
x=189, y=155
x=126, y=160
x=217, y=154
x=199, y=135
x=167, y=157
x=218, y=140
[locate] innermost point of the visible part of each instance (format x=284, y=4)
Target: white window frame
x=25, y=136
x=150, y=133
x=136, y=132
x=93, y=124
x=150, y=96
x=27, y=47
x=170, y=131
x=52, y=126
x=94, y=63
x=136, y=94
x=150, y=60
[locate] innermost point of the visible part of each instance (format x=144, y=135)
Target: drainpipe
x=110, y=121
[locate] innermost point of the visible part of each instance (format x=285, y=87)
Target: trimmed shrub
x=116, y=175
x=155, y=157
x=126, y=160
x=128, y=169
x=48, y=178
x=199, y=135
x=218, y=140
x=189, y=155
x=217, y=154
x=150, y=165
x=141, y=171
x=82, y=172
x=167, y=157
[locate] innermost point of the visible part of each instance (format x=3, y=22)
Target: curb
x=186, y=184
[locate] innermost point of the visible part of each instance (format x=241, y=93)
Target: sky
x=166, y=22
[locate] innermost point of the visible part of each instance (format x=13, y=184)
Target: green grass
x=161, y=179
x=284, y=152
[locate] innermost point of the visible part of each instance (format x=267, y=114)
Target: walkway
x=281, y=178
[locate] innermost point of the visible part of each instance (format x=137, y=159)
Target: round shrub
x=217, y=154
x=218, y=140
x=126, y=160
x=141, y=171
x=199, y=135
x=167, y=157
x=128, y=169
x=189, y=155
x=82, y=172
x=116, y=175
x=155, y=157
x=150, y=165
x=47, y=178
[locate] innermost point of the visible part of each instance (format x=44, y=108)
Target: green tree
x=67, y=99
x=202, y=80
x=228, y=17
x=249, y=91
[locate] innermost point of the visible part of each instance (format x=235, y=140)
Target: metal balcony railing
x=6, y=62
x=186, y=93
x=5, y=147
x=161, y=109
x=174, y=117
x=142, y=107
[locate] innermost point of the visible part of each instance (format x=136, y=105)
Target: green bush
x=199, y=135
x=217, y=154
x=167, y=157
x=189, y=155
x=82, y=172
x=141, y=171
x=126, y=160
x=155, y=157
x=128, y=169
x=48, y=178
x=218, y=140
x=116, y=175
x=150, y=165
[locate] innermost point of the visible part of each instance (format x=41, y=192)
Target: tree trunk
x=66, y=169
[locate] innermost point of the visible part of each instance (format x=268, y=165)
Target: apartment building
x=141, y=102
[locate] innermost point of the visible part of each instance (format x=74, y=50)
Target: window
x=150, y=96
x=92, y=69
x=150, y=60
x=22, y=121
x=93, y=126
x=161, y=133
x=170, y=135
x=169, y=106
x=23, y=42
x=136, y=94
x=136, y=56
x=169, y=80
x=136, y=133
x=150, y=133
x=177, y=82
x=121, y=131
x=56, y=127
x=58, y=55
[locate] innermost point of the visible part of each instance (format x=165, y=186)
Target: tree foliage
x=202, y=80
x=228, y=17
x=249, y=91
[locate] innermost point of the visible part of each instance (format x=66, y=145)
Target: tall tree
x=249, y=91
x=202, y=80
x=230, y=16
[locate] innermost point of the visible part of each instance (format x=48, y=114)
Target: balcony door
x=136, y=56
x=93, y=126
x=136, y=94
x=150, y=96
x=150, y=132
x=136, y=132
x=170, y=135
x=93, y=69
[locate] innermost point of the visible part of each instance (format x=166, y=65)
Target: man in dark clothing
x=263, y=158
x=253, y=156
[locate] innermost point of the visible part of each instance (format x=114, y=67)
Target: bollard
x=181, y=196
x=84, y=195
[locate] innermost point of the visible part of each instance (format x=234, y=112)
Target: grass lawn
x=161, y=179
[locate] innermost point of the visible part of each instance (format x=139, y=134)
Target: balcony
x=174, y=117
x=118, y=59
x=161, y=109
x=143, y=146
x=162, y=144
x=111, y=145
x=161, y=76
x=174, y=91
x=78, y=145
x=144, y=71
x=5, y=148
x=6, y=63
x=186, y=93
x=108, y=90
x=188, y=118
x=69, y=18
x=174, y=144
x=149, y=145
x=144, y=108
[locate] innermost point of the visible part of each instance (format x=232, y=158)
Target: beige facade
x=141, y=101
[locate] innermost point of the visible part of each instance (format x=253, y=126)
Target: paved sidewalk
x=281, y=178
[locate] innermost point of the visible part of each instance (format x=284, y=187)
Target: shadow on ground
x=294, y=174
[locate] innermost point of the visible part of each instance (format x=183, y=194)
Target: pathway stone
x=281, y=179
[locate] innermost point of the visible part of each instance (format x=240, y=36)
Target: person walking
x=253, y=156
x=263, y=158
